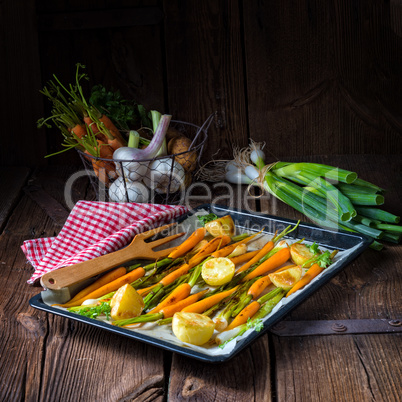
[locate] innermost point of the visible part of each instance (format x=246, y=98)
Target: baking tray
x=244, y=220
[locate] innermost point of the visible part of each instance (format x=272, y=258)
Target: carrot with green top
x=267, y=248
x=215, y=244
x=166, y=312
x=103, y=280
x=179, y=293
x=275, y=261
x=225, y=251
x=250, y=310
x=244, y=257
x=208, y=302
x=188, y=244
x=109, y=287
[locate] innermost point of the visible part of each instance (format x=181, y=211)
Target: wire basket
x=160, y=180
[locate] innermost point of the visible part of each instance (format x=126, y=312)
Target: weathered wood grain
x=12, y=178
x=320, y=80
x=44, y=357
x=341, y=368
x=204, y=69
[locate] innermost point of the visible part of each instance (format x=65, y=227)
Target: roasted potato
x=300, y=253
x=221, y=226
x=193, y=328
x=287, y=278
x=126, y=303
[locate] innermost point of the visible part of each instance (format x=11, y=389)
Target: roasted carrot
x=205, y=304
x=213, y=245
x=244, y=257
x=103, y=280
x=260, y=284
x=143, y=292
x=244, y=315
x=170, y=278
x=179, y=293
x=275, y=261
x=225, y=251
x=188, y=244
x=311, y=273
x=109, y=287
x=169, y=311
x=266, y=249
x=166, y=312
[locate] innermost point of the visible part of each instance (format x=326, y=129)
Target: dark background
x=308, y=77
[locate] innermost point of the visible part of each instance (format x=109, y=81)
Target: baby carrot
x=188, y=244
x=312, y=272
x=266, y=249
x=170, y=278
x=275, y=261
x=179, y=293
x=210, y=247
x=169, y=311
x=79, y=130
x=224, y=252
x=205, y=304
x=244, y=257
x=109, y=287
x=244, y=315
x=103, y=280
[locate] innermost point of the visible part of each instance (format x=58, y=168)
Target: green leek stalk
x=316, y=169
x=378, y=214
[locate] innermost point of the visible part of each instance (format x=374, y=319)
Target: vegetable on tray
x=206, y=298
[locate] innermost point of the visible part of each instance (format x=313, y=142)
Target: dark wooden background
x=306, y=76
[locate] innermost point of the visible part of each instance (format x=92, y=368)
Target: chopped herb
x=207, y=218
x=314, y=248
x=323, y=260
x=256, y=324
x=93, y=312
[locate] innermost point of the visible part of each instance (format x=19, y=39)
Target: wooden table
x=48, y=358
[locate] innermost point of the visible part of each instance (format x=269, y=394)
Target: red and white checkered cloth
x=93, y=229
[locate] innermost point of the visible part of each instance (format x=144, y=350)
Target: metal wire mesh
x=161, y=180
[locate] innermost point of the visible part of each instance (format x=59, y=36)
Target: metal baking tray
x=244, y=220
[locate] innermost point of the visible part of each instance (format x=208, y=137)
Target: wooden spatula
x=137, y=249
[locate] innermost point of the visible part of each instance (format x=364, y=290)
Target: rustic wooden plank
x=205, y=71
x=341, y=368
x=41, y=353
x=12, y=179
x=20, y=99
x=245, y=377
x=128, y=59
x=97, y=19
x=307, y=92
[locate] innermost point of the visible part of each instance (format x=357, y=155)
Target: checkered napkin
x=93, y=229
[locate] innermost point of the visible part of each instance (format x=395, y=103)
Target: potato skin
x=180, y=144
x=193, y=328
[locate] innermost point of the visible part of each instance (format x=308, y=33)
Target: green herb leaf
x=314, y=248
x=93, y=312
x=207, y=218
